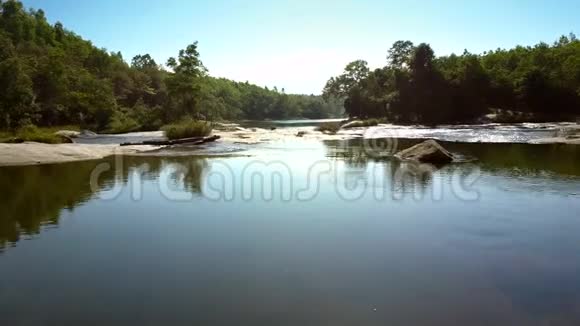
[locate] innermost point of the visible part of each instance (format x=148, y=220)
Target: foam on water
x=485, y=133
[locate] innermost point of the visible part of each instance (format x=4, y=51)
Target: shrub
x=148, y=118
x=34, y=134
x=329, y=127
x=5, y=136
x=121, y=122
x=187, y=128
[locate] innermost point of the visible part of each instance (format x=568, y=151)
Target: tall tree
x=184, y=86
x=400, y=54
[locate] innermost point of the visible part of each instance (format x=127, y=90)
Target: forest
x=50, y=76
x=533, y=83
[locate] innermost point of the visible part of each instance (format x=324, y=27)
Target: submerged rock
x=427, y=152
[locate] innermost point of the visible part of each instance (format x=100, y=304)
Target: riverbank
x=101, y=146
x=38, y=153
x=235, y=139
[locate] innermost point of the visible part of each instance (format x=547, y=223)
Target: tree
x=188, y=62
x=59, y=32
x=421, y=62
x=354, y=73
x=17, y=100
x=51, y=76
x=143, y=62
x=184, y=85
x=13, y=20
x=400, y=54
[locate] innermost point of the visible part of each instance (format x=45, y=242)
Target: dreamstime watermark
x=225, y=180
x=378, y=143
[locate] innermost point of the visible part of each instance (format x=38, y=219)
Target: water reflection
x=33, y=197
x=513, y=159
x=553, y=168
x=510, y=258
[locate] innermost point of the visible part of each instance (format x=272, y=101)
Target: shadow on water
x=33, y=197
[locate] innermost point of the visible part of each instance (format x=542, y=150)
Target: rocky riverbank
x=37, y=153
x=91, y=147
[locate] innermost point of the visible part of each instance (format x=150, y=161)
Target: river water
x=300, y=232
x=483, y=133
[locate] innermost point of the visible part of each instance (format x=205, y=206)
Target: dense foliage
x=51, y=76
x=538, y=83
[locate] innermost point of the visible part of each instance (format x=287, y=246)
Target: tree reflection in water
x=32, y=198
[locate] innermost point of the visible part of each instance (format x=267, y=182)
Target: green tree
x=400, y=54
x=184, y=86
x=143, y=62
x=17, y=101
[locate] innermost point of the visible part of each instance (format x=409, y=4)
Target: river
x=297, y=232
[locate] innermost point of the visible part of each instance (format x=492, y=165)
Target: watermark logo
x=378, y=176
x=380, y=142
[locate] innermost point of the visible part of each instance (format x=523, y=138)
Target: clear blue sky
x=299, y=44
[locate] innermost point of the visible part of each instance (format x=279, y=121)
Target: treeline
x=234, y=101
x=540, y=83
x=51, y=76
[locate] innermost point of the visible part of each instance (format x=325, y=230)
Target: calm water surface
x=334, y=236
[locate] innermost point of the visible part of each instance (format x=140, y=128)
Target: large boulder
x=427, y=152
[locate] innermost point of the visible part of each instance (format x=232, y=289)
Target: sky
x=299, y=44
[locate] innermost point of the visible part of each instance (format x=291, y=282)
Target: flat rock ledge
x=36, y=153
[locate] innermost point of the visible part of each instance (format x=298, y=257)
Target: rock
x=226, y=126
x=87, y=134
x=67, y=133
x=301, y=134
x=427, y=152
x=352, y=124
x=66, y=139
